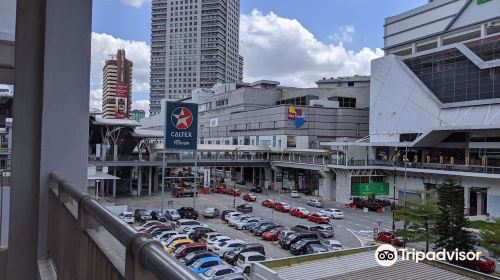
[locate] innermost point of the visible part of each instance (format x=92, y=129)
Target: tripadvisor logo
x=387, y=255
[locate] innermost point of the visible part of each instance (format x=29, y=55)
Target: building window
x=350, y=84
x=346, y=102
x=291, y=142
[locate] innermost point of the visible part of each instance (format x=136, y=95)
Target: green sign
x=373, y=188
x=479, y=2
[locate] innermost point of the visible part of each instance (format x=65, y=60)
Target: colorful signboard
x=181, y=126
x=296, y=115
x=206, y=178
x=122, y=92
x=372, y=188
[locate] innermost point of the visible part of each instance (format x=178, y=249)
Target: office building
x=117, y=87
x=434, y=107
x=137, y=115
x=193, y=44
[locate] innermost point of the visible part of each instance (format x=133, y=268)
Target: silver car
x=211, y=212
x=325, y=231
x=316, y=203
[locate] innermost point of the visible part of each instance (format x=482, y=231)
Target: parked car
x=484, y=264
x=302, y=228
x=225, y=246
x=293, y=238
x=245, y=260
x=142, y=215
x=273, y=234
x=246, y=223
x=333, y=213
x=150, y=228
x=315, y=249
x=250, y=197
x=202, y=265
x=182, y=223
x=224, y=214
x=256, y=189
x=165, y=235
x=300, y=212
x=294, y=194
x=199, y=233
x=238, y=219
x=215, y=240
x=325, y=231
x=185, y=249
x=157, y=215
x=232, y=215
x=216, y=272
x=206, y=236
x=269, y=203
x=476, y=237
x=176, y=244
x=172, y=214
x=390, y=238
x=262, y=230
x=299, y=247
x=244, y=208
x=316, y=203
x=331, y=245
x=233, y=192
x=180, y=192
x=210, y=212
x=159, y=230
x=241, y=182
x=127, y=217
x=234, y=277
x=260, y=225
x=252, y=228
x=282, y=207
x=284, y=234
x=190, y=258
x=173, y=238
x=147, y=225
x=319, y=218
x=187, y=213
x=189, y=230
x=232, y=256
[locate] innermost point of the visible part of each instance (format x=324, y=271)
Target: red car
x=151, y=228
x=219, y=190
x=273, y=234
x=319, y=218
x=389, y=238
x=282, y=207
x=233, y=192
x=250, y=197
x=185, y=249
x=300, y=212
x=483, y=264
x=269, y=203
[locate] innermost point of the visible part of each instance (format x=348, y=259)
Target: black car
x=241, y=182
x=194, y=256
x=142, y=215
x=299, y=247
x=266, y=227
x=256, y=189
x=315, y=249
x=258, y=225
x=158, y=216
x=232, y=256
x=187, y=213
x=224, y=213
x=244, y=208
x=302, y=228
x=198, y=233
x=290, y=240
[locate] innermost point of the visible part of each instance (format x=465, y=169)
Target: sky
x=295, y=42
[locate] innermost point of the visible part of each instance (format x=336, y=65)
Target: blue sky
x=329, y=38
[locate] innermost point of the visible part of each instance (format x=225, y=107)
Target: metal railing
x=77, y=224
x=181, y=158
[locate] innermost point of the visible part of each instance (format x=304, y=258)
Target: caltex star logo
x=182, y=118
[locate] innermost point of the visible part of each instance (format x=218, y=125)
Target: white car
x=238, y=219
x=246, y=223
x=190, y=229
x=216, y=272
x=232, y=215
x=229, y=245
x=128, y=217
x=295, y=194
x=246, y=259
x=331, y=245
x=182, y=223
x=333, y=213
x=172, y=214
x=173, y=238
x=165, y=235
x=215, y=240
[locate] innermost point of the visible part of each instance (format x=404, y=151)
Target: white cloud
x=141, y=105
x=95, y=99
x=138, y=52
x=282, y=49
x=344, y=35
x=135, y=3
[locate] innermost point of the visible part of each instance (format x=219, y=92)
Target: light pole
x=406, y=161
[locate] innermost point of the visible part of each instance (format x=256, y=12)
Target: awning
x=101, y=176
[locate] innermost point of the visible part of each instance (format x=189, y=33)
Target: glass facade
x=452, y=77
x=487, y=49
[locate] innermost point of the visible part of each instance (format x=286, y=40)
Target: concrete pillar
x=114, y=182
x=277, y=185
x=467, y=200
x=253, y=175
x=156, y=181
x=479, y=203
x=439, y=41
x=267, y=177
x=130, y=180
x=326, y=184
x=342, y=188
x=413, y=48
x=150, y=178
x=139, y=180
x=50, y=109
x=484, y=30
x=261, y=177
x=232, y=172
x=242, y=173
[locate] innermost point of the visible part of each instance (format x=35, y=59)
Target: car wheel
x=247, y=270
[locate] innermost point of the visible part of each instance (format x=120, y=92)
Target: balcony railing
x=87, y=241
x=184, y=158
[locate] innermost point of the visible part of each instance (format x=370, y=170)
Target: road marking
x=359, y=239
x=349, y=222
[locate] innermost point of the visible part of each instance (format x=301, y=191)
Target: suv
x=325, y=231
x=299, y=247
x=187, y=213
x=290, y=240
x=142, y=215
x=315, y=203
x=232, y=256
x=302, y=228
x=244, y=208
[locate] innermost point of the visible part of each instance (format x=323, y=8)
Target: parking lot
x=354, y=230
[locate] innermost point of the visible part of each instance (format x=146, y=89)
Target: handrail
x=143, y=250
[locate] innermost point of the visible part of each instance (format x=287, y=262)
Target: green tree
x=451, y=222
x=491, y=236
x=420, y=215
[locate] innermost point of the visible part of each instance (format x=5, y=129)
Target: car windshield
x=190, y=223
x=179, y=249
x=336, y=245
x=129, y=215
x=197, y=264
x=328, y=228
x=209, y=272
x=293, y=235
x=223, y=243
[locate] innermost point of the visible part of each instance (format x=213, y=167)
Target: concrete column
x=342, y=188
x=139, y=180
x=261, y=177
x=232, y=172
x=131, y=178
x=50, y=109
x=150, y=178
x=267, y=177
x=467, y=200
x=277, y=185
x=253, y=175
x=114, y=182
x=440, y=41
x=242, y=173
x=156, y=183
x=479, y=203
x=484, y=30
x=325, y=189
x=413, y=48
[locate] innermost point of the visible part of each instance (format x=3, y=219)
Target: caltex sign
x=181, y=126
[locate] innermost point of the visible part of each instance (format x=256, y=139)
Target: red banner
x=121, y=101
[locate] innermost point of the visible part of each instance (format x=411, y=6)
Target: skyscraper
x=117, y=87
x=194, y=43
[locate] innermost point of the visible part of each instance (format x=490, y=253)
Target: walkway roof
x=115, y=122
x=311, y=151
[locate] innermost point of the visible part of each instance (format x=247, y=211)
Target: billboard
x=372, y=188
x=181, y=126
x=296, y=115
x=206, y=178
x=121, y=101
